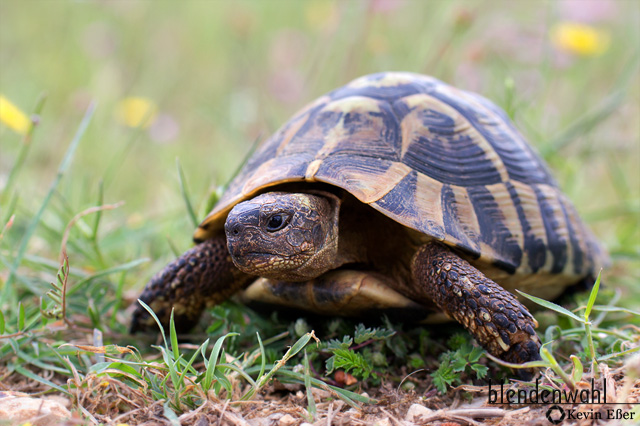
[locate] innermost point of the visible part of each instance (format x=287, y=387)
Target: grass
x=96, y=207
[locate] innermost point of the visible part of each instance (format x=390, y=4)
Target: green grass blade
x=24, y=148
x=64, y=165
x=601, y=308
x=552, y=306
x=1, y=323
x=351, y=398
x=263, y=357
x=585, y=124
x=155, y=317
x=548, y=356
x=592, y=297
x=98, y=215
x=187, y=366
x=37, y=362
x=173, y=336
x=118, y=300
x=170, y=415
x=526, y=365
x=173, y=371
x=21, y=315
x=293, y=351
x=578, y=369
x=617, y=354
x=311, y=403
x=243, y=373
x=52, y=265
x=120, y=268
x=93, y=238
x=185, y=194
x=591, y=119
x=587, y=324
x=42, y=380
x=213, y=360
x=252, y=149
x=174, y=249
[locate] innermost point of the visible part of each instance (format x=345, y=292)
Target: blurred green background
x=219, y=75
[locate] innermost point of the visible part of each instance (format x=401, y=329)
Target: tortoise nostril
x=233, y=229
x=236, y=229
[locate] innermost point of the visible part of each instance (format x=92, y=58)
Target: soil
x=109, y=401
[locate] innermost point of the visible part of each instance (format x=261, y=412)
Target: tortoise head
x=286, y=236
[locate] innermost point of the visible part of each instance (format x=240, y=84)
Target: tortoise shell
x=442, y=161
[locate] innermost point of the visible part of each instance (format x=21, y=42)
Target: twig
x=9, y=336
x=391, y=417
x=222, y=413
x=330, y=415
x=465, y=415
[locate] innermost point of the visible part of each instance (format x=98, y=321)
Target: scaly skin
x=201, y=277
x=501, y=324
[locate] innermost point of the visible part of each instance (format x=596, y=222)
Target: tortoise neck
x=357, y=228
x=370, y=239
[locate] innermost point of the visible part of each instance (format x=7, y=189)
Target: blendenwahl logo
x=562, y=402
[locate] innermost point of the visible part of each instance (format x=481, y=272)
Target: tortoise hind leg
x=201, y=277
x=501, y=324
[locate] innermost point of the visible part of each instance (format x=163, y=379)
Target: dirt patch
x=108, y=401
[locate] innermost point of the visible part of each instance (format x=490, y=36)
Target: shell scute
x=500, y=232
x=555, y=226
x=534, y=234
x=520, y=161
x=459, y=218
x=439, y=142
x=357, y=173
x=415, y=202
x=365, y=128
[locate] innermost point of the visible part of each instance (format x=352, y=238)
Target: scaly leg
x=501, y=324
x=201, y=277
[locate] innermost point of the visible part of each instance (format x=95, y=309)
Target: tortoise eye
x=277, y=222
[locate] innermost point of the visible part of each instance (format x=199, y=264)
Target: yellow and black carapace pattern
x=442, y=161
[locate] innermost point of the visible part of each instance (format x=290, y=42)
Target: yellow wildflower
x=322, y=15
x=377, y=44
x=136, y=112
x=579, y=38
x=13, y=117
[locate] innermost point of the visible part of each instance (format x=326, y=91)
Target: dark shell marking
x=445, y=162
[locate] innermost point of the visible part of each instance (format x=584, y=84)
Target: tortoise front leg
x=501, y=324
x=203, y=276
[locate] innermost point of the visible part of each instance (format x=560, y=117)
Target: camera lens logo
x=557, y=418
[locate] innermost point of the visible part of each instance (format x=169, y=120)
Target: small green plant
x=462, y=359
x=358, y=359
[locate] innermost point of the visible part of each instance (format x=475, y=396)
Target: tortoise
x=395, y=192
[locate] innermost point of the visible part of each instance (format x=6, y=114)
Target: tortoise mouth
x=267, y=263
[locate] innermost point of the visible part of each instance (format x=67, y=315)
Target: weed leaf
x=552, y=306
